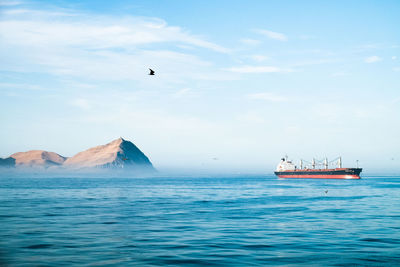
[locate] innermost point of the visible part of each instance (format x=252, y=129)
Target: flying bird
x=151, y=72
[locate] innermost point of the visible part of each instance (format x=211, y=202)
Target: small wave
x=51, y=214
x=178, y=262
x=381, y=240
x=39, y=246
x=258, y=246
x=336, y=211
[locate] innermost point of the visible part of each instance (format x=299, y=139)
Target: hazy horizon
x=237, y=85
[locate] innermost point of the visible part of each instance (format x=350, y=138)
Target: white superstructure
x=285, y=165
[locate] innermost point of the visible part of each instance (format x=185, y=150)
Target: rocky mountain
x=37, y=158
x=118, y=154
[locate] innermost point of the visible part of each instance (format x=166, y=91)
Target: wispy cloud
x=272, y=35
x=81, y=103
x=267, y=96
x=257, y=69
x=248, y=41
x=368, y=47
x=9, y=3
x=24, y=86
x=69, y=44
x=42, y=28
x=258, y=58
x=372, y=59
x=185, y=93
x=316, y=62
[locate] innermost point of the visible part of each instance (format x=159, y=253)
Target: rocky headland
x=118, y=154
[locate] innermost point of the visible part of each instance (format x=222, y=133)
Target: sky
x=238, y=84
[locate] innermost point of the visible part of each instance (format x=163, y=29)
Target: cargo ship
x=316, y=169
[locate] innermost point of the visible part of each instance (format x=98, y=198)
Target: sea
x=224, y=220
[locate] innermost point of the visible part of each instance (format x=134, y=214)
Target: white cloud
x=185, y=93
x=250, y=41
x=24, y=86
x=101, y=47
x=267, y=97
x=372, y=59
x=258, y=58
x=316, y=62
x=81, y=103
x=96, y=33
x=10, y=3
x=257, y=69
x=272, y=35
x=205, y=44
x=394, y=57
x=368, y=47
x=397, y=69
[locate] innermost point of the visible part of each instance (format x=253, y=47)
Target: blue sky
x=242, y=81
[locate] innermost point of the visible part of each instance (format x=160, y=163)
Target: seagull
x=151, y=72
x=326, y=191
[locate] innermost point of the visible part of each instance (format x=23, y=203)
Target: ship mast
x=313, y=163
x=326, y=163
x=340, y=162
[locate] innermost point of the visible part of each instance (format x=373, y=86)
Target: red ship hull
x=338, y=173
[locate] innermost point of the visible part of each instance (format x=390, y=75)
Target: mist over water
x=234, y=220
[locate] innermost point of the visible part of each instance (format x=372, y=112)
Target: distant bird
x=326, y=191
x=152, y=72
x=215, y=158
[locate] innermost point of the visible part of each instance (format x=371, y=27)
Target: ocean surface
x=194, y=221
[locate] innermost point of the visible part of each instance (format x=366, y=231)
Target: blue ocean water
x=192, y=221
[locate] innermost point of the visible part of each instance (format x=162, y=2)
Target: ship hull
x=338, y=173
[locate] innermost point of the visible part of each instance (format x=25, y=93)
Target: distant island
x=118, y=154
